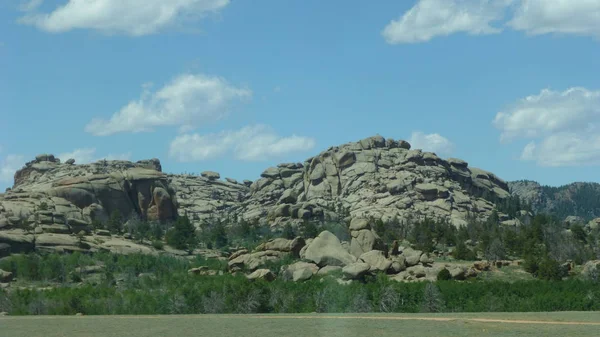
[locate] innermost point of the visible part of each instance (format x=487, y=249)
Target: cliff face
x=63, y=193
x=374, y=177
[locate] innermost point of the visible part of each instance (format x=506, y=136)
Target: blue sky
x=511, y=86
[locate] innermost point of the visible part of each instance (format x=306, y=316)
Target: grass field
x=488, y=324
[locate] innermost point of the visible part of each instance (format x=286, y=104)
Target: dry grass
x=313, y=325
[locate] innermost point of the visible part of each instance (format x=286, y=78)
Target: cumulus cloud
x=431, y=18
x=563, y=127
x=9, y=165
x=186, y=101
x=536, y=17
x=130, y=17
x=88, y=155
x=432, y=142
x=428, y=19
x=251, y=143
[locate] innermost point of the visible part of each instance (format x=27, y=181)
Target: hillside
x=577, y=199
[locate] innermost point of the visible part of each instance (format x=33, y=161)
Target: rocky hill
x=574, y=201
x=374, y=177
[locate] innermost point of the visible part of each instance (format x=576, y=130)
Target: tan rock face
x=103, y=187
x=372, y=178
x=327, y=250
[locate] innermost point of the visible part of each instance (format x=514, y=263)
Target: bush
x=115, y=222
x=432, y=299
x=288, y=232
x=96, y=224
x=157, y=244
x=182, y=235
x=444, y=275
x=461, y=252
x=171, y=290
x=531, y=264
x=549, y=269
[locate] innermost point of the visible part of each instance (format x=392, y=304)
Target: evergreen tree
x=115, y=222
x=183, y=234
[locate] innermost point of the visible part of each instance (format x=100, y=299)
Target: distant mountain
x=576, y=199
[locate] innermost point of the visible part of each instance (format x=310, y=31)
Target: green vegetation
x=182, y=235
x=138, y=284
x=444, y=275
x=579, y=199
x=115, y=222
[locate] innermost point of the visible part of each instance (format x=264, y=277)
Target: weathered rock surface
x=356, y=270
x=253, y=261
x=299, y=271
x=283, y=245
x=261, y=274
x=372, y=178
x=51, y=197
x=327, y=250
x=376, y=260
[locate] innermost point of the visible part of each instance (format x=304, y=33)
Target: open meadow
x=300, y=325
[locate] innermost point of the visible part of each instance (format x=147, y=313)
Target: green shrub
x=157, y=244
x=182, y=235
x=115, y=222
x=171, y=290
x=549, y=269
x=444, y=275
x=531, y=264
x=461, y=252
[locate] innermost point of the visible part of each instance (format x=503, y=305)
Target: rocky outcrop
x=299, y=271
x=261, y=274
x=283, y=245
x=364, y=238
x=253, y=261
x=327, y=250
x=50, y=197
x=373, y=178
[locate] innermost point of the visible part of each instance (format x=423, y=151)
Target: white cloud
x=431, y=142
x=131, y=17
x=88, y=155
x=9, y=165
x=575, y=109
x=563, y=126
x=186, y=101
x=431, y=18
x=564, y=149
x=251, y=143
x=579, y=17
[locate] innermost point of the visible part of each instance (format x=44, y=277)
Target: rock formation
x=376, y=178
